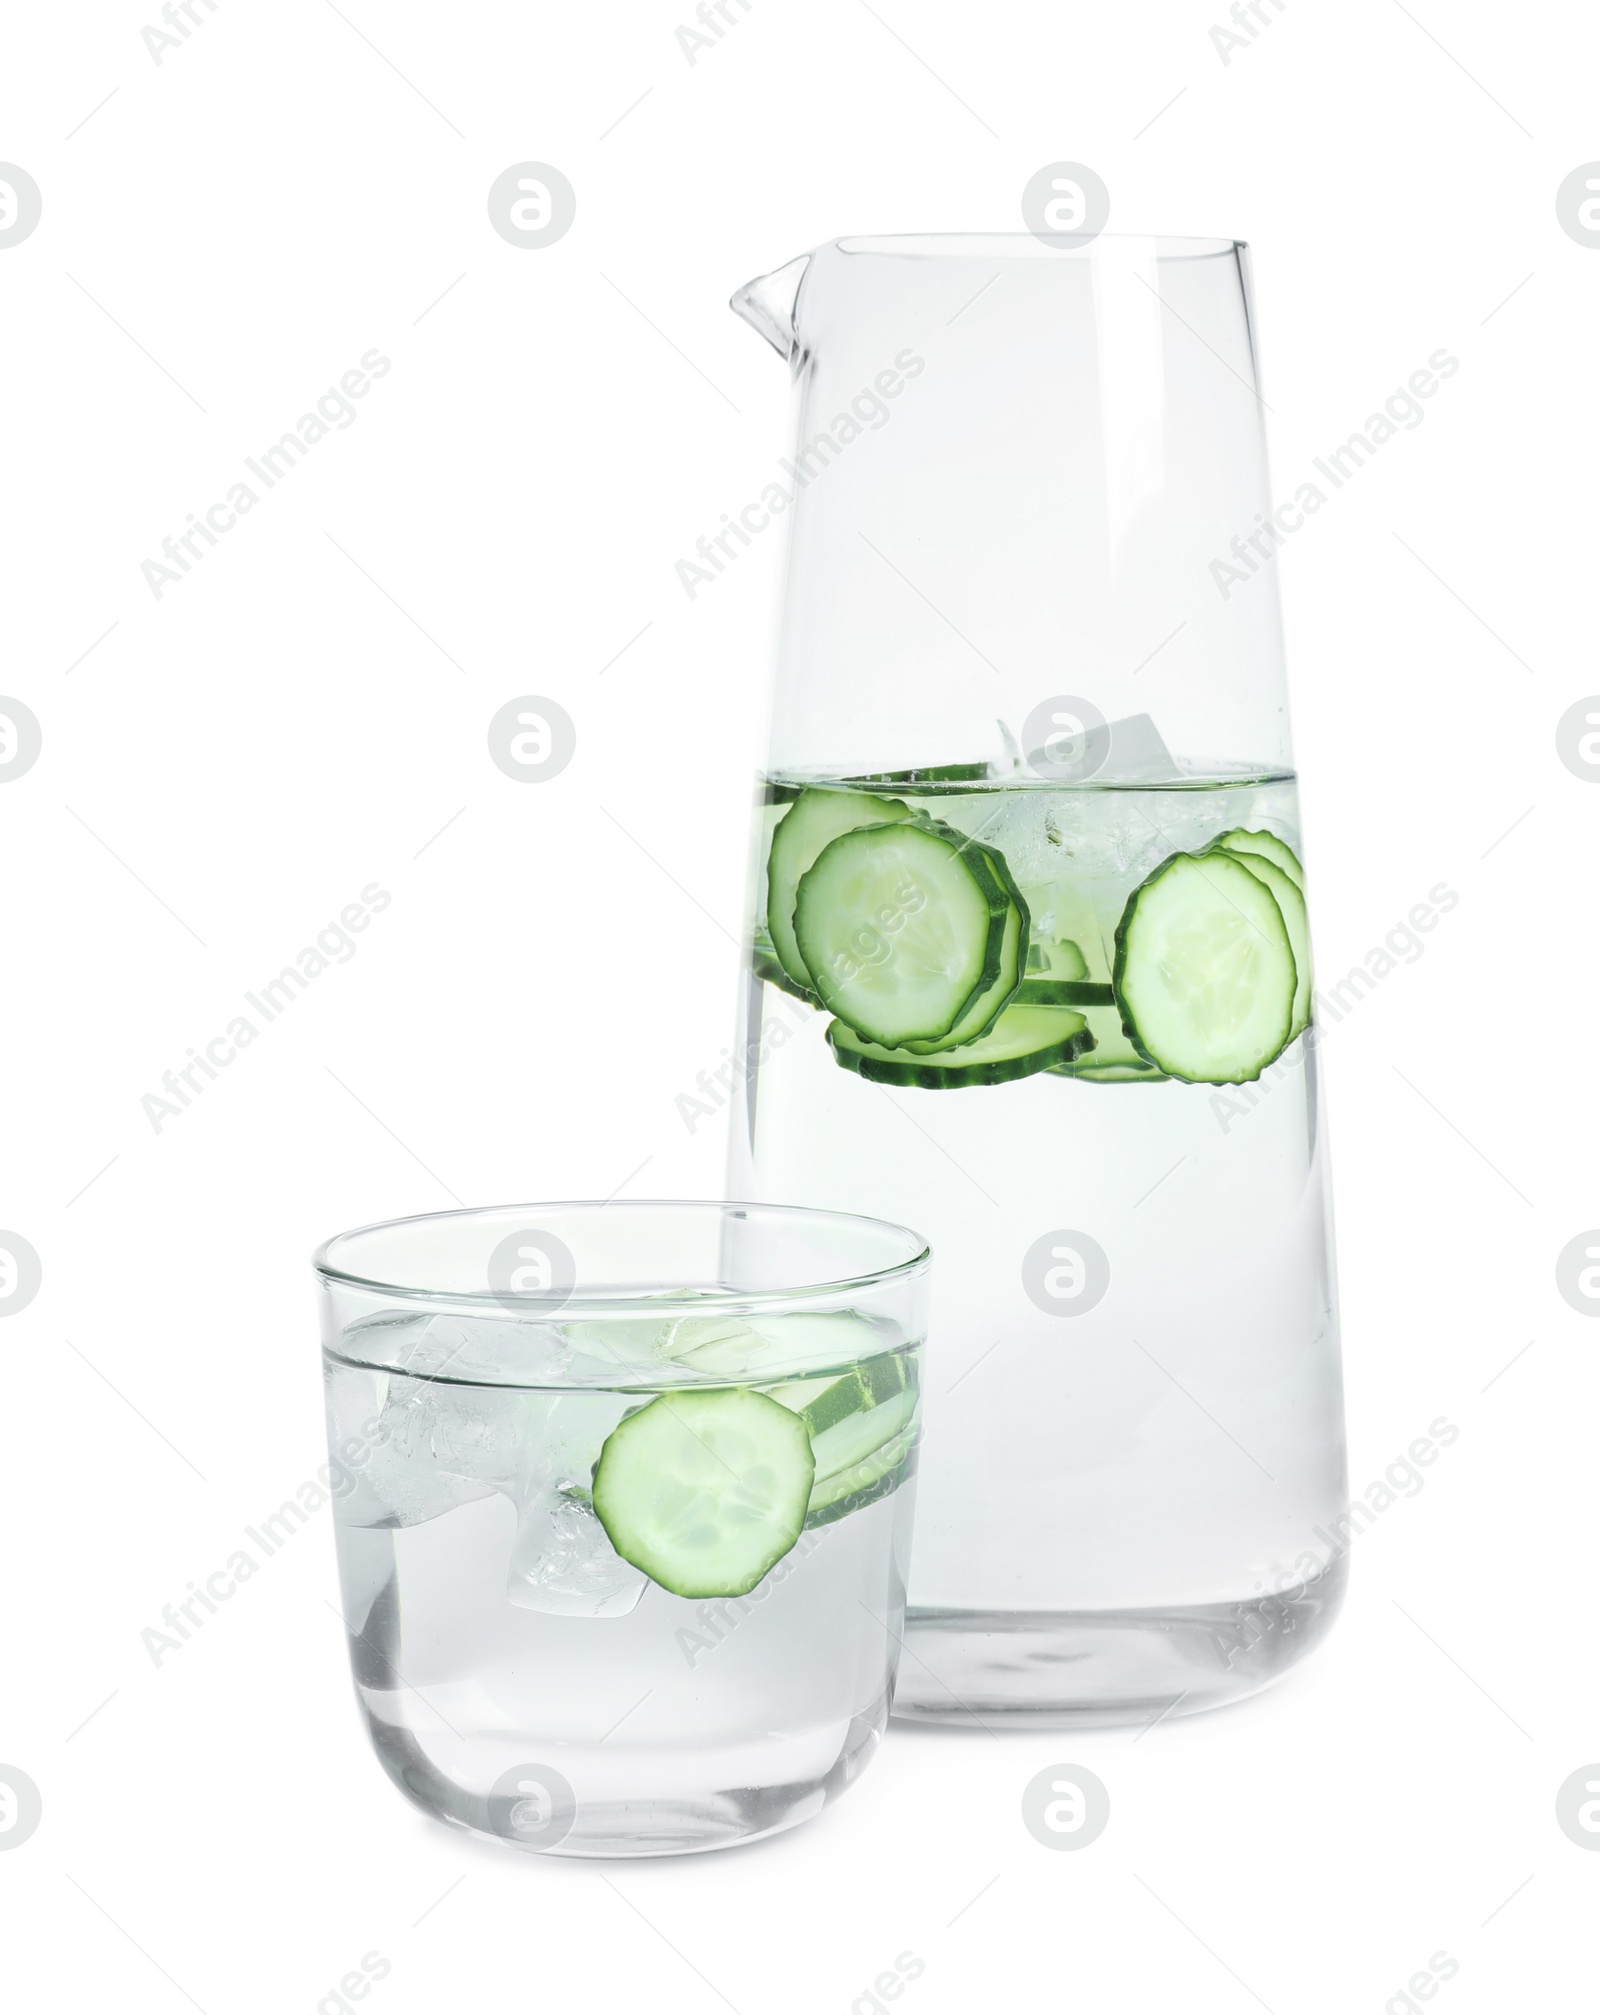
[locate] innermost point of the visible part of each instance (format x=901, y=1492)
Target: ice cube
x=487, y=1347
x=625, y=1344
x=635, y=1344
x=478, y=1433
x=420, y=1468
x=431, y=1444
x=713, y=1343
x=562, y=1562
x=564, y=1565
x=395, y=1490
x=1137, y=754
x=392, y=1484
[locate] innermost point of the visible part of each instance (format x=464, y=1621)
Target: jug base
x=970, y=1668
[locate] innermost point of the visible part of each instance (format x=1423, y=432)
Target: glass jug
x=1029, y=966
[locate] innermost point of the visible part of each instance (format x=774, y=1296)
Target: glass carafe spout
x=768, y=304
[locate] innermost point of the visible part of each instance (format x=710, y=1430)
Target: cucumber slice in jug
x=1057, y=975
x=903, y=929
x=815, y=818
x=936, y=773
x=1205, y=973
x=1022, y=1041
x=705, y=1491
x=1292, y=906
x=1113, y=1060
x=985, y=1011
x=1063, y=993
x=765, y=964
x=1057, y=959
x=1121, y=1073
x=1267, y=847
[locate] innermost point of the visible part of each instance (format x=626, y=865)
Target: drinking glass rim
x=746, y=1299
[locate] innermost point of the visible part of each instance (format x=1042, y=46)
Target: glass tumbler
x=622, y=1497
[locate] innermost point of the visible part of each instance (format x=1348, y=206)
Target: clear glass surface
x=1023, y=602
x=517, y=1675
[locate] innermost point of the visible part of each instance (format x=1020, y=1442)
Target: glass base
x=970, y=1668
x=600, y=1821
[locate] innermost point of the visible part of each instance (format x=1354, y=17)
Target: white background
x=227, y=767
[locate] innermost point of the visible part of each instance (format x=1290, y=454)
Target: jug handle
x=768, y=305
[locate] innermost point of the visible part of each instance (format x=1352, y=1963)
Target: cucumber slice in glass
x=850, y=1441
x=705, y=1491
x=1292, y=905
x=903, y=929
x=815, y=818
x=863, y=1426
x=822, y=1402
x=1205, y=973
x=1267, y=847
x=802, y=1345
x=847, y=1490
x=1022, y=1041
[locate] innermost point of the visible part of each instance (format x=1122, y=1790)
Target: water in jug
x=1029, y=965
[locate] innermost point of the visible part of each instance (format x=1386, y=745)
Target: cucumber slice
x=848, y=1443
x=876, y=1476
x=1205, y=973
x=815, y=818
x=902, y=928
x=1292, y=904
x=985, y=1011
x=798, y=1345
x=1267, y=847
x=1121, y=1073
x=1113, y=1060
x=705, y=1491
x=765, y=964
x=863, y=1427
x=822, y=1402
x=1064, y=993
x=939, y=773
x=1022, y=1041
x=1068, y=917
x=711, y=1350
x=1057, y=959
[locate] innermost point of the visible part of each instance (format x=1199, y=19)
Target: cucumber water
x=638, y=1549
x=1144, y=1468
